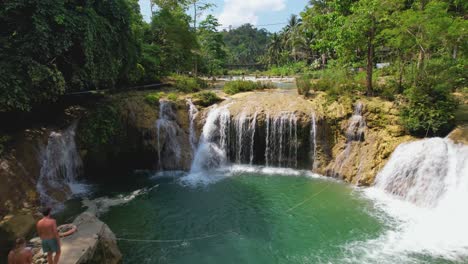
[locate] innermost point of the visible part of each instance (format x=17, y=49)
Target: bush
x=153, y=98
x=206, y=98
x=240, y=86
x=304, y=84
x=430, y=111
x=172, y=97
x=186, y=84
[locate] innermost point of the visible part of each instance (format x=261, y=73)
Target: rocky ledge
x=93, y=242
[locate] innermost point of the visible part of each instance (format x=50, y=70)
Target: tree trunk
x=324, y=60
x=370, y=60
x=455, y=52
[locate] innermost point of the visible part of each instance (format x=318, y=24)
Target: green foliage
x=245, y=44
x=206, y=98
x=51, y=47
x=153, y=98
x=186, y=84
x=240, y=86
x=304, y=84
x=212, y=52
x=289, y=69
x=172, y=97
x=170, y=32
x=102, y=127
x=430, y=111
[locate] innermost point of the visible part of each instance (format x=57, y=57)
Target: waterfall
x=425, y=171
x=212, y=149
x=253, y=124
x=244, y=129
x=424, y=186
x=313, y=135
x=193, y=113
x=355, y=132
x=60, y=166
x=167, y=130
x=281, y=140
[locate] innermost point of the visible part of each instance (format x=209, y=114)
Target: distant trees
x=246, y=44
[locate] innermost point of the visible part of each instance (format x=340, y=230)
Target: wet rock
x=460, y=135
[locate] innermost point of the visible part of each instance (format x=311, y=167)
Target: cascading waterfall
x=281, y=140
x=167, y=130
x=214, y=141
x=424, y=186
x=355, y=132
x=244, y=131
x=61, y=165
x=313, y=140
x=193, y=113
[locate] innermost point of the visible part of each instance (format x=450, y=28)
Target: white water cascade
x=212, y=149
x=424, y=187
x=313, y=140
x=193, y=113
x=167, y=129
x=281, y=140
x=244, y=130
x=60, y=167
x=354, y=133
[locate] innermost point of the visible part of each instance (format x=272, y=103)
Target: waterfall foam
x=423, y=187
x=60, y=167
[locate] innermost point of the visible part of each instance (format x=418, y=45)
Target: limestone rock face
x=131, y=140
x=460, y=135
x=349, y=146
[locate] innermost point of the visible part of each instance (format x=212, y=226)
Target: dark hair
x=46, y=211
x=19, y=241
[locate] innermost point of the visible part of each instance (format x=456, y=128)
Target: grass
x=153, y=98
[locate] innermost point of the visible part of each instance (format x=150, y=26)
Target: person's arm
x=11, y=258
x=57, y=236
x=29, y=259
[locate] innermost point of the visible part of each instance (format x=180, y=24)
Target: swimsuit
x=50, y=245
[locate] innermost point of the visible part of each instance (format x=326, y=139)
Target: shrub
x=430, y=111
x=186, y=84
x=172, y=97
x=153, y=98
x=240, y=86
x=304, y=85
x=206, y=98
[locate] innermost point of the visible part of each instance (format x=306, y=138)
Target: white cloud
x=239, y=12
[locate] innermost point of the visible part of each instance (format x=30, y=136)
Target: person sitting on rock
x=47, y=230
x=20, y=254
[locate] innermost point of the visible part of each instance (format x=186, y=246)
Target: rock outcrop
x=93, y=243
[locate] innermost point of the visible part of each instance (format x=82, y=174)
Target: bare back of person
x=22, y=256
x=46, y=228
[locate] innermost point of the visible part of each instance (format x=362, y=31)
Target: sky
x=261, y=13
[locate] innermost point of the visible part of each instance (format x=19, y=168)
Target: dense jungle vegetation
x=414, y=51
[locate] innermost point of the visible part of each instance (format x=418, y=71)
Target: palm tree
x=274, y=49
x=293, y=35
